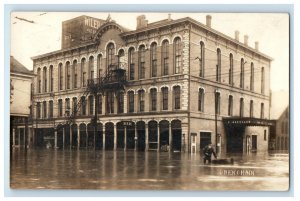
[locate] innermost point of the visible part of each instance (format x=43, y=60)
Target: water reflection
x=89, y=169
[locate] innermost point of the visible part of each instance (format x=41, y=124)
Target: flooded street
x=115, y=170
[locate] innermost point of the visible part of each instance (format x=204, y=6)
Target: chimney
x=237, y=35
x=141, y=22
x=208, y=21
x=246, y=39
x=256, y=45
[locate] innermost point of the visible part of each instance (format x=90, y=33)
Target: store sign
x=127, y=123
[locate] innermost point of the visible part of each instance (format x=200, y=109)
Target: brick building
x=171, y=83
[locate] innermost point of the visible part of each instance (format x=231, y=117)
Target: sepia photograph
x=149, y=101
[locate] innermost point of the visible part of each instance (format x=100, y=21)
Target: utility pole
x=216, y=119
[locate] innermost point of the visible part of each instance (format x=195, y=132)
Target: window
x=75, y=106
x=176, y=91
x=121, y=58
x=91, y=105
x=75, y=75
x=202, y=59
x=242, y=74
x=110, y=102
x=38, y=110
x=68, y=107
x=230, y=105
x=241, y=107
x=218, y=67
x=60, y=108
x=201, y=100
x=217, y=103
x=153, y=55
x=231, y=69
x=110, y=52
x=99, y=104
x=83, y=105
x=164, y=92
x=153, y=97
x=265, y=135
x=262, y=110
x=141, y=95
x=51, y=78
x=39, y=80
x=120, y=98
x=45, y=78
x=177, y=52
x=131, y=64
x=68, y=75
x=165, y=57
x=251, y=108
x=44, y=109
x=99, y=65
x=61, y=76
x=51, y=109
x=91, y=67
x=142, y=62
x=252, y=77
x=130, y=101
x=83, y=72
x=262, y=80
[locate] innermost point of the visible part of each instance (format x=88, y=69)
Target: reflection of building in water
x=20, y=101
x=178, y=83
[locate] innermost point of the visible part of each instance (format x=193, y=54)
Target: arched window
x=67, y=107
x=51, y=78
x=218, y=103
x=165, y=57
x=142, y=62
x=99, y=104
x=60, y=108
x=141, y=96
x=50, y=109
x=121, y=59
x=110, y=52
x=99, y=65
x=45, y=78
x=153, y=55
x=83, y=105
x=176, y=95
x=120, y=99
x=91, y=67
x=262, y=80
x=153, y=99
x=39, y=81
x=202, y=58
x=75, y=74
x=252, y=77
x=241, y=107
x=164, y=92
x=44, y=109
x=201, y=100
x=68, y=75
x=91, y=105
x=74, y=109
x=230, y=105
x=177, y=54
x=218, y=67
x=230, y=69
x=61, y=76
x=83, y=72
x=131, y=63
x=242, y=76
x=251, y=108
x=130, y=101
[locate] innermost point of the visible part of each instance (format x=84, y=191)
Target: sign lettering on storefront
x=127, y=123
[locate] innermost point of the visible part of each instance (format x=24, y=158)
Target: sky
x=270, y=30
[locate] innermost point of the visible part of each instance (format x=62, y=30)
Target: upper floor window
x=217, y=103
x=83, y=73
x=67, y=107
x=45, y=79
x=230, y=69
x=202, y=58
x=50, y=109
x=142, y=62
x=68, y=75
x=60, y=108
x=131, y=63
x=251, y=108
x=121, y=59
x=252, y=77
x=91, y=67
x=51, y=78
x=38, y=110
x=241, y=107
x=110, y=102
x=242, y=75
x=164, y=91
x=165, y=57
x=230, y=105
x=61, y=76
x=141, y=95
x=130, y=101
x=153, y=55
x=74, y=109
x=44, y=109
x=262, y=80
x=218, y=67
x=39, y=81
x=99, y=65
x=262, y=110
x=177, y=54
x=110, y=52
x=75, y=74
x=83, y=105
x=120, y=98
x=99, y=104
x=153, y=99
x=201, y=100
x=91, y=105
x=176, y=91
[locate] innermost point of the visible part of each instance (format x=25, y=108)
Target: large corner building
x=176, y=84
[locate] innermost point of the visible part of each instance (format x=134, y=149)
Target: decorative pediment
x=105, y=27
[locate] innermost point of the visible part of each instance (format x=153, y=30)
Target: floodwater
x=116, y=170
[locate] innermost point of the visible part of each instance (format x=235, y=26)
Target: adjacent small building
x=20, y=104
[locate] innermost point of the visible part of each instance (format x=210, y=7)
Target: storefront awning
x=247, y=121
